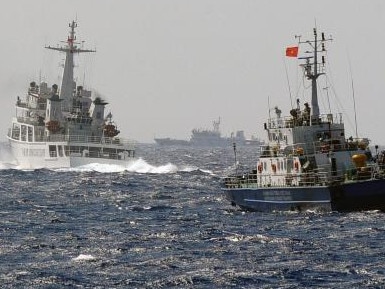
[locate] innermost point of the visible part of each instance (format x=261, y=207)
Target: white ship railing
x=85, y=140
x=290, y=121
x=274, y=150
x=311, y=179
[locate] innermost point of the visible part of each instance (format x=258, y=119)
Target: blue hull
x=280, y=199
x=355, y=196
x=359, y=196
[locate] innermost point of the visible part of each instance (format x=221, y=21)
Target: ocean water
x=163, y=222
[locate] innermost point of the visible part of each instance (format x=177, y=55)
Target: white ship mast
x=216, y=125
x=68, y=85
x=315, y=73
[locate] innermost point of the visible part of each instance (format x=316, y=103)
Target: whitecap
x=137, y=166
x=84, y=257
x=141, y=166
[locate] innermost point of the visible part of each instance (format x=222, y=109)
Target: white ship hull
x=55, y=155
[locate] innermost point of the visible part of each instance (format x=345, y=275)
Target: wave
x=137, y=166
x=7, y=161
x=84, y=257
x=141, y=166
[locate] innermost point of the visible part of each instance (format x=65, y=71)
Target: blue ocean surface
x=162, y=222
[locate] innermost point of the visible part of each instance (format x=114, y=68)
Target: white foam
x=139, y=165
x=7, y=161
x=95, y=167
x=189, y=169
x=84, y=257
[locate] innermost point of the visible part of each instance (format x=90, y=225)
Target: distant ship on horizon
x=210, y=138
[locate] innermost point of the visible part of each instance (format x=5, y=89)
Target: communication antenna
x=354, y=98
x=326, y=88
x=313, y=69
x=235, y=153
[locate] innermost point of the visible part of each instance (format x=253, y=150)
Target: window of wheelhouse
x=16, y=131
x=60, y=150
x=23, y=133
x=52, y=151
x=30, y=133
x=67, y=150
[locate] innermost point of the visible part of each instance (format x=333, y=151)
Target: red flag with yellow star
x=292, y=51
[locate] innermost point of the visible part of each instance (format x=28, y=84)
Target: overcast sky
x=168, y=66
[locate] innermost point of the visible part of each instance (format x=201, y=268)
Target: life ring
x=260, y=168
x=110, y=130
x=53, y=126
x=274, y=168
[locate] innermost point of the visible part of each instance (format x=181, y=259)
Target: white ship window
x=16, y=131
x=23, y=133
x=66, y=150
x=52, y=151
x=60, y=150
x=30, y=134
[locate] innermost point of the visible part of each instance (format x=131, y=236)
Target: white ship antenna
x=235, y=156
x=354, y=98
x=312, y=71
x=71, y=47
x=326, y=88
x=216, y=124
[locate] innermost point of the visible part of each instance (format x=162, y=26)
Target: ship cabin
x=48, y=130
x=302, y=151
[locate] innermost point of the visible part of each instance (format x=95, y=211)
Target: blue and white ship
x=309, y=163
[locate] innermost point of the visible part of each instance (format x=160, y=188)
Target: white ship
x=66, y=127
x=211, y=138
